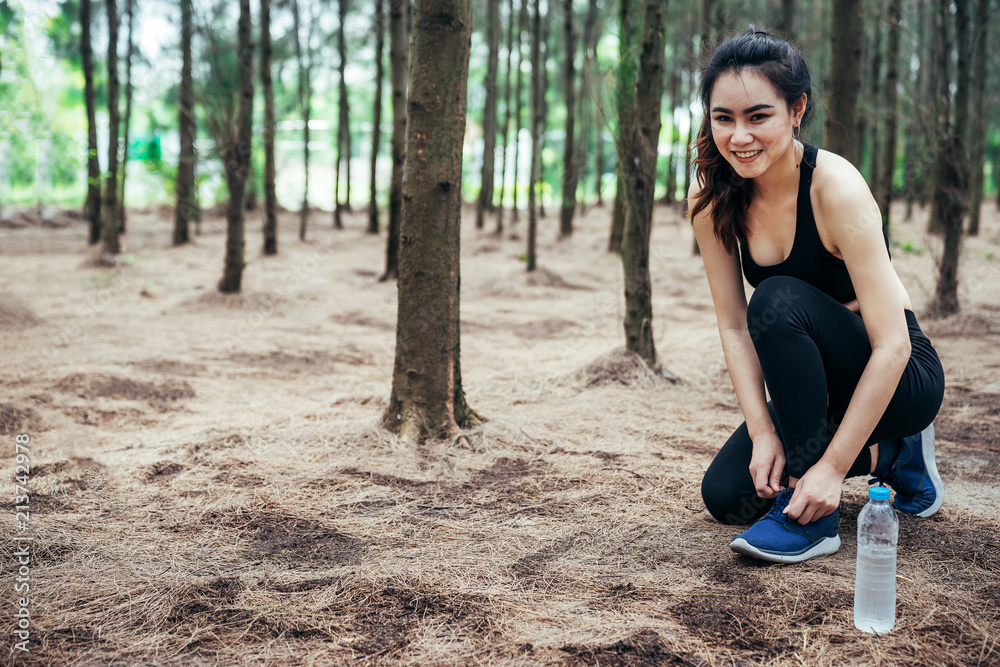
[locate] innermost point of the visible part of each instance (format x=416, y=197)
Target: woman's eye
x=722, y=119
x=758, y=116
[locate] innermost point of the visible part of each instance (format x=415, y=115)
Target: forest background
x=212, y=480
x=44, y=121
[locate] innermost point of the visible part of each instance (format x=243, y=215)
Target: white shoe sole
x=927, y=448
x=825, y=547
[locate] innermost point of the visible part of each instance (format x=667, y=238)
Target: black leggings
x=813, y=351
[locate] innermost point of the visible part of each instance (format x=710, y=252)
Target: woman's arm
x=725, y=281
x=849, y=216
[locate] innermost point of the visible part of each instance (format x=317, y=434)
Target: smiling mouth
x=743, y=155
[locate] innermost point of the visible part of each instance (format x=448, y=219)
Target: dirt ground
x=209, y=483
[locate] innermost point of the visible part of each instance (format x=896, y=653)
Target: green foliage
x=22, y=162
x=64, y=30
x=7, y=17
x=908, y=246
x=65, y=160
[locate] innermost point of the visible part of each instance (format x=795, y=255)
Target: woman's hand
x=767, y=465
x=817, y=494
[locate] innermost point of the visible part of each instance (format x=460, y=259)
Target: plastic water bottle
x=875, y=582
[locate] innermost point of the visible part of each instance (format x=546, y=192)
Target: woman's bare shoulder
x=837, y=182
x=693, y=196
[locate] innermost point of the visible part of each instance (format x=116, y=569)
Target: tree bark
x=977, y=147
x=236, y=157
x=543, y=122
x=129, y=55
x=93, y=205
x=589, y=120
x=485, y=202
x=379, y=19
x=691, y=64
x=270, y=197
x=869, y=131
x=788, y=18
x=950, y=169
x=303, y=67
x=670, y=180
x=536, y=120
x=625, y=98
x=887, y=164
x=427, y=400
x=569, y=160
x=110, y=206
x=639, y=159
x=398, y=56
x=840, y=124
x=506, y=118
x=915, y=137
x=519, y=113
x=343, y=123
x=185, y=187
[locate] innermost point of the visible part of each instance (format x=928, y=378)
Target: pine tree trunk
x=270, y=197
x=692, y=65
x=599, y=160
x=917, y=120
x=398, y=56
x=887, y=164
x=705, y=21
x=951, y=169
x=977, y=147
x=840, y=123
x=129, y=55
x=93, y=205
x=379, y=19
x=237, y=157
x=670, y=181
x=625, y=98
x=506, y=119
x=485, y=201
x=519, y=112
x=303, y=70
x=184, y=210
x=939, y=84
x=868, y=131
x=569, y=161
x=788, y=18
x=109, y=208
x=427, y=400
x=543, y=122
x=343, y=130
x=536, y=121
x=590, y=122
x=639, y=158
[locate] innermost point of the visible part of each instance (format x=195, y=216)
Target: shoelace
x=780, y=503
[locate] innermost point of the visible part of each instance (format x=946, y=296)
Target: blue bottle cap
x=878, y=493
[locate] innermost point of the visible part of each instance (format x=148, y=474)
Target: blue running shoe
x=780, y=539
x=914, y=476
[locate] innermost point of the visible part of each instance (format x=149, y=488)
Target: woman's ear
x=799, y=107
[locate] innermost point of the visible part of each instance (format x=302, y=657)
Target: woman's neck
x=776, y=182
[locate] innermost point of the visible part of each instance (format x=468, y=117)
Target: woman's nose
x=742, y=135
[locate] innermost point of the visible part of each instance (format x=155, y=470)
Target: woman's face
x=751, y=123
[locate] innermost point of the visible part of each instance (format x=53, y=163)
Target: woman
x=829, y=329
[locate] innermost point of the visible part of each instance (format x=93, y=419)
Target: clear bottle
x=875, y=581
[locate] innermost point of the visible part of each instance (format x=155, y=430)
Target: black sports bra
x=808, y=260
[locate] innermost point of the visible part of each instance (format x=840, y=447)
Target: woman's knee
x=773, y=303
x=728, y=505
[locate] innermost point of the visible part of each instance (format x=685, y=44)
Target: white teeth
x=745, y=155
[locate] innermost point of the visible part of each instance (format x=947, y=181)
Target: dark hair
x=726, y=191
